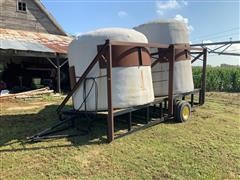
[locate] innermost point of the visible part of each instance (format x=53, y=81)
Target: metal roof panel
x=33, y=41
x=23, y=45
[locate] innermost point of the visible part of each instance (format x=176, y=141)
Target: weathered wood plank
x=34, y=20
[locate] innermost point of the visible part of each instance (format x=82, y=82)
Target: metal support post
x=110, y=118
x=161, y=110
x=192, y=100
x=165, y=105
x=147, y=115
x=200, y=96
x=58, y=75
x=170, y=80
x=204, y=74
x=130, y=121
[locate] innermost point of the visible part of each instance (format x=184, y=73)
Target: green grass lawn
x=206, y=147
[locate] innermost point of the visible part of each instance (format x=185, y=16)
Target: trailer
x=171, y=106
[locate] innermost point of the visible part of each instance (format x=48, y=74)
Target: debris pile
x=28, y=94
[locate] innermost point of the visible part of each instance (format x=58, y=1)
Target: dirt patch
x=40, y=104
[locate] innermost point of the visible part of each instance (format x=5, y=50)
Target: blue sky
x=207, y=20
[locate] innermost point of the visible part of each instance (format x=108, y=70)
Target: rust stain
x=142, y=80
x=57, y=43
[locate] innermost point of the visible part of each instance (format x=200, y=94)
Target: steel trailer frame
x=165, y=103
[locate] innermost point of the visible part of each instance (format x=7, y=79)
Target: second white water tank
x=169, y=32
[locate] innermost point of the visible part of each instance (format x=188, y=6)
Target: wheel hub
x=186, y=112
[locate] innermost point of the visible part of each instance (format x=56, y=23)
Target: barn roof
x=33, y=41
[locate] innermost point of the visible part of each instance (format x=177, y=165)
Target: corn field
x=224, y=78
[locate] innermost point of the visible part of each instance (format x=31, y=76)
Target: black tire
x=182, y=111
x=175, y=106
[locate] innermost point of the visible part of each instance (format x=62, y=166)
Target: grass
x=206, y=147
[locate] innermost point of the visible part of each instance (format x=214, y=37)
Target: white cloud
x=179, y=17
x=207, y=41
x=234, y=47
x=122, y=14
x=163, y=6
x=78, y=34
x=184, y=2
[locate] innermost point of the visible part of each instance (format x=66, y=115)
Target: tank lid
x=161, y=21
x=113, y=31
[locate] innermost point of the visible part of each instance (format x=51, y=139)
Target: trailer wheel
x=183, y=111
x=175, y=107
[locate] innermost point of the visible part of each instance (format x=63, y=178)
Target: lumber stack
x=28, y=94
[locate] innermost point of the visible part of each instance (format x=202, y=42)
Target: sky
x=207, y=20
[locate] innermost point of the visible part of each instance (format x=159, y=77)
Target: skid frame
x=165, y=104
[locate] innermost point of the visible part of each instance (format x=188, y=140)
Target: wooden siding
x=33, y=20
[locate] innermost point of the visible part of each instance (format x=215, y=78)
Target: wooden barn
x=33, y=47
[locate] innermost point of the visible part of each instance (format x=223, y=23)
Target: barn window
x=21, y=6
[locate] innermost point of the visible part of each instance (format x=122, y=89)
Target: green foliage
x=224, y=78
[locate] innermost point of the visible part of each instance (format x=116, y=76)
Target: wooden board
x=33, y=20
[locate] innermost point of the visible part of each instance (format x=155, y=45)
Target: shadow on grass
x=14, y=129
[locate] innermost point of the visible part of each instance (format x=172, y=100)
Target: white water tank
x=131, y=82
x=169, y=32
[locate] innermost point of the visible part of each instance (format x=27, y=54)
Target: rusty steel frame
x=220, y=45
x=170, y=79
x=204, y=74
x=169, y=101
x=202, y=52
x=110, y=118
